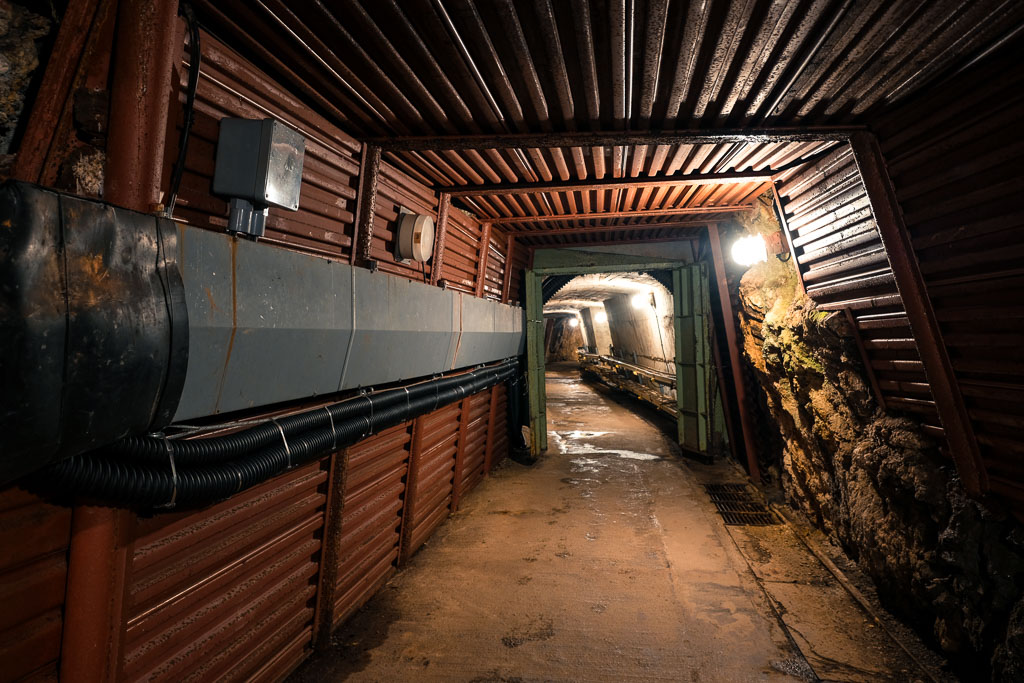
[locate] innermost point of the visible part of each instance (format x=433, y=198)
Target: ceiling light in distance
x=643, y=300
x=601, y=317
x=573, y=322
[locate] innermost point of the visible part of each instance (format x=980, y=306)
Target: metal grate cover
x=737, y=508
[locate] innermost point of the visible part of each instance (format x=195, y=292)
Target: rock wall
x=564, y=341
x=876, y=484
x=20, y=33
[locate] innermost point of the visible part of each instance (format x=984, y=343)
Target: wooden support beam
x=485, y=251
x=746, y=421
x=688, y=210
x=444, y=204
x=366, y=205
x=615, y=138
x=506, y=283
x=949, y=402
x=725, y=178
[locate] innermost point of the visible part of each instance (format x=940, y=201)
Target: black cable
x=195, y=58
x=136, y=471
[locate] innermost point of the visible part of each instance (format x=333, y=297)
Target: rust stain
x=234, y=319
x=209, y=297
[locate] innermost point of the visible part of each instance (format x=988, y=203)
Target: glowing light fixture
x=747, y=251
x=643, y=300
x=573, y=322
x=601, y=317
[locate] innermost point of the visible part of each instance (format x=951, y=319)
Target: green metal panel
x=535, y=363
x=693, y=357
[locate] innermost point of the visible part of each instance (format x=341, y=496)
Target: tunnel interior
x=511, y=340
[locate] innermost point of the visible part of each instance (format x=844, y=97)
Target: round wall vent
x=415, y=236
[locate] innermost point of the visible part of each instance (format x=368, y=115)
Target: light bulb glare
x=573, y=322
x=601, y=317
x=641, y=300
x=747, y=251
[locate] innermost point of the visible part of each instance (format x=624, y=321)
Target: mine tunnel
x=511, y=340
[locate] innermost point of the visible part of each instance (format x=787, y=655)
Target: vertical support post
x=949, y=402
x=444, y=204
x=485, y=252
x=679, y=296
x=145, y=54
x=492, y=414
x=410, y=502
x=535, y=362
x=460, y=452
x=330, y=550
x=366, y=208
x=746, y=421
x=94, y=606
x=506, y=283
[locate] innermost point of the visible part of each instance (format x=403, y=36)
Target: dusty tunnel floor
x=606, y=561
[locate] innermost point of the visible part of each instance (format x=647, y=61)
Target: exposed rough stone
x=20, y=29
x=564, y=341
x=876, y=483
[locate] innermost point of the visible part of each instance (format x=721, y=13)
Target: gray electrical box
x=259, y=164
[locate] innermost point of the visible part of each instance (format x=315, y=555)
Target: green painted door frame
x=691, y=319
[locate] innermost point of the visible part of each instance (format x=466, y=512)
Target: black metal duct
x=93, y=325
x=149, y=471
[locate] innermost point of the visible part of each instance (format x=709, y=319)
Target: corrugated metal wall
x=229, y=592
x=845, y=268
x=226, y=593
x=229, y=86
x=960, y=184
x=33, y=574
x=431, y=475
x=375, y=475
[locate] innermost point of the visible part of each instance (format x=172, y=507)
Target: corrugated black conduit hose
x=149, y=471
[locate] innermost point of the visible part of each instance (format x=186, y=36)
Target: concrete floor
x=606, y=561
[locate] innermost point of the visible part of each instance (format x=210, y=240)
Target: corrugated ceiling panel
x=375, y=477
x=229, y=86
x=33, y=572
x=226, y=593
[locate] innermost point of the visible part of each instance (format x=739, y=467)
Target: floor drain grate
x=737, y=508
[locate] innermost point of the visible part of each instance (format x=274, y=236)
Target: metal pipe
x=145, y=55
x=146, y=52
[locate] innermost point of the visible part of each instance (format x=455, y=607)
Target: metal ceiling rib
x=436, y=67
x=566, y=89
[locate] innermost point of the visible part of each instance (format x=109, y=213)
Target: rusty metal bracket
x=366, y=205
x=444, y=204
x=949, y=402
